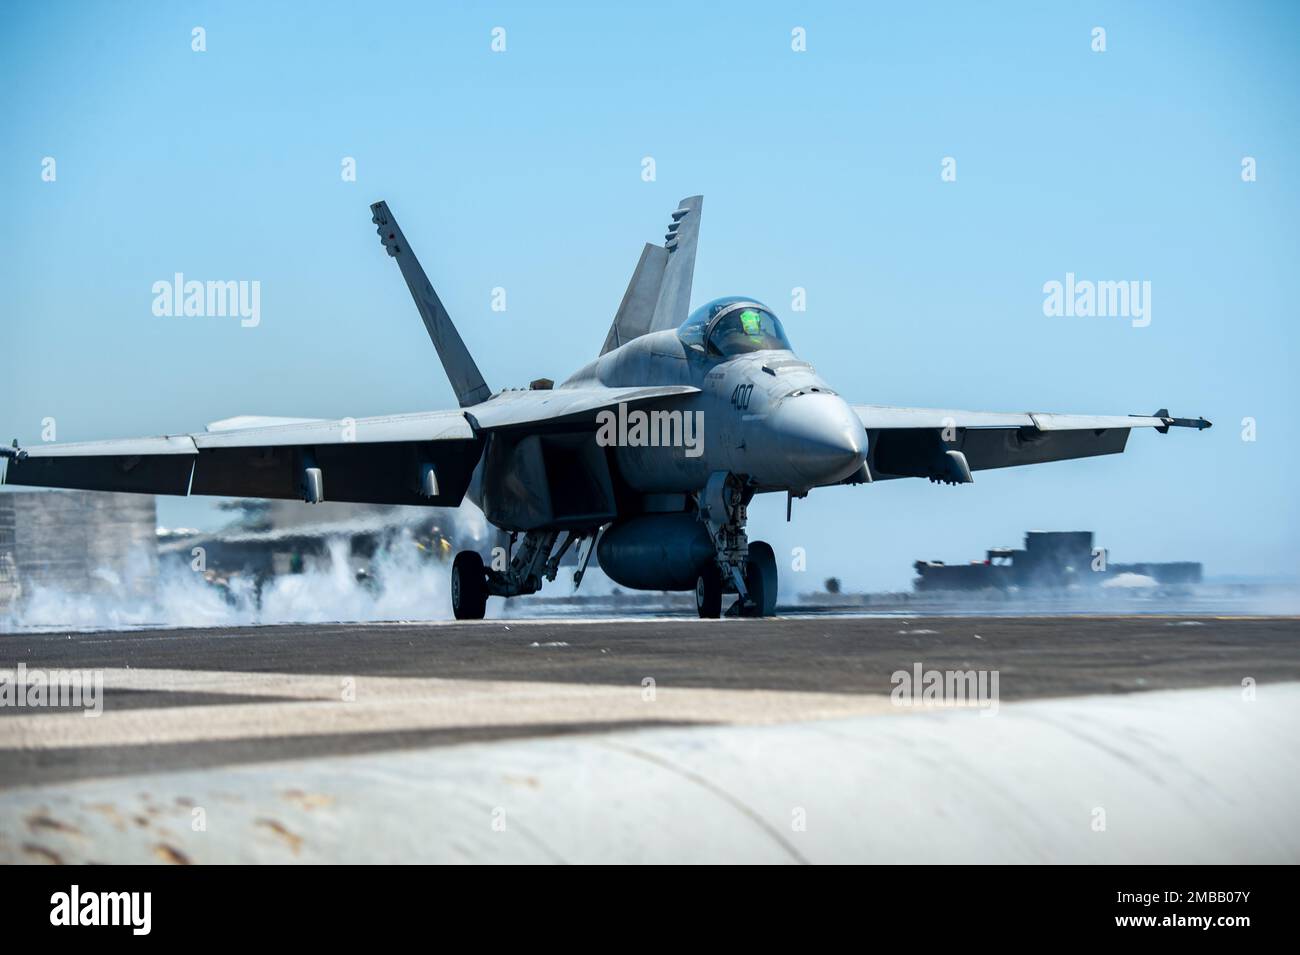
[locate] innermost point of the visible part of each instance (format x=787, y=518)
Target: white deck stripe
x=387, y=704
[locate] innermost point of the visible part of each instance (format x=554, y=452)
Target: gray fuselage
x=766, y=415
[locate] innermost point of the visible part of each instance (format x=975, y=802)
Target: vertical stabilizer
x=659, y=294
x=638, y=306
x=675, y=292
x=463, y=374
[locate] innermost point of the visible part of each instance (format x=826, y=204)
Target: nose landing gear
x=708, y=594
x=739, y=567
x=760, y=581
x=760, y=587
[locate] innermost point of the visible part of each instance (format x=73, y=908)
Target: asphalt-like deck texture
x=844, y=657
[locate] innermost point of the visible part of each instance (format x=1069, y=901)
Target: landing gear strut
x=530, y=563
x=740, y=567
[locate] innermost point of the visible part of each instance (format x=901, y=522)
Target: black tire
x=708, y=594
x=468, y=586
x=760, y=580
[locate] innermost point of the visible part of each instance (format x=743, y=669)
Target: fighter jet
x=650, y=454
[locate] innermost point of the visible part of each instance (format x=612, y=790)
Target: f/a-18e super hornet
x=655, y=449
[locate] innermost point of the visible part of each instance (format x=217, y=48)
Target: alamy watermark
x=651, y=429
x=193, y=299
x=1088, y=299
x=64, y=689
x=922, y=687
x=75, y=907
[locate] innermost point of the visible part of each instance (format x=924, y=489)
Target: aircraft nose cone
x=821, y=436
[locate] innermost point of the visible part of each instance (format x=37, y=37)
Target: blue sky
x=820, y=169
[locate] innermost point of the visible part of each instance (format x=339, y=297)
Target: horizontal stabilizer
x=239, y=422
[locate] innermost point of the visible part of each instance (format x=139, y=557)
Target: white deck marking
x=387, y=704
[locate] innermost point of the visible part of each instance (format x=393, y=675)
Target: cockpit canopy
x=731, y=326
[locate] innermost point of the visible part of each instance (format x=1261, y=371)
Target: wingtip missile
x=1200, y=424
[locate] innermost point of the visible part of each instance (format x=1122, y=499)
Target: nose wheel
x=760, y=581
x=742, y=568
x=468, y=586
x=708, y=594
x=760, y=587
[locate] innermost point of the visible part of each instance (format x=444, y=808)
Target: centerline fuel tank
x=655, y=551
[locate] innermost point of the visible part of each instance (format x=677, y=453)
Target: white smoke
x=1130, y=581
x=404, y=584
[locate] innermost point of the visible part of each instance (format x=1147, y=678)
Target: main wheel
x=468, y=586
x=708, y=594
x=760, y=580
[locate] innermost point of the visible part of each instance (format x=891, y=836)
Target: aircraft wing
x=423, y=458
x=947, y=444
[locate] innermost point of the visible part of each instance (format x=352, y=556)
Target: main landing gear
x=533, y=560
x=468, y=586
x=739, y=567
